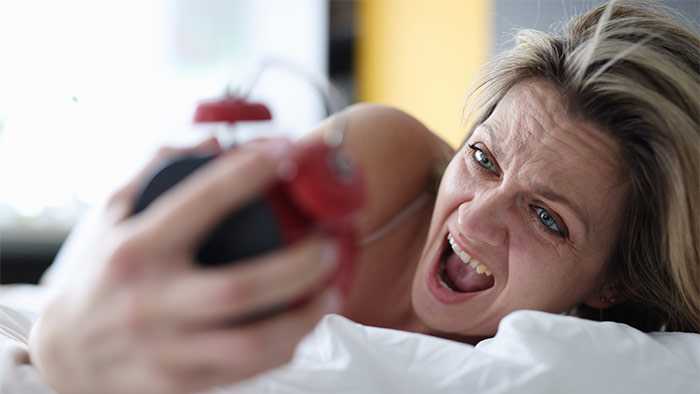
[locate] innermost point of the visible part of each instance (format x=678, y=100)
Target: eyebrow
x=477, y=126
x=491, y=133
x=488, y=128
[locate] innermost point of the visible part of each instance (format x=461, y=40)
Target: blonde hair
x=632, y=69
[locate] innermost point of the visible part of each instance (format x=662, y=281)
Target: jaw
x=468, y=324
x=447, y=314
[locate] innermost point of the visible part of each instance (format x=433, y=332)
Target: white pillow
x=533, y=352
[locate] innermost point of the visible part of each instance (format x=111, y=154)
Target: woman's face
x=532, y=204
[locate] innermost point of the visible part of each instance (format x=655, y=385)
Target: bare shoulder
x=398, y=153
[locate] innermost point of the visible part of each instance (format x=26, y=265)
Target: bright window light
x=89, y=88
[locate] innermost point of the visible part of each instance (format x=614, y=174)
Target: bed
x=533, y=352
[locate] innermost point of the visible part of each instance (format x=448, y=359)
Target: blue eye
x=483, y=159
x=548, y=221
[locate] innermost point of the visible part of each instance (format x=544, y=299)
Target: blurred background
x=89, y=89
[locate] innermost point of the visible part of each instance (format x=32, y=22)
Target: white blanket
x=534, y=352
x=17, y=375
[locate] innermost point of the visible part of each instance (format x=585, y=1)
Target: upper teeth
x=478, y=266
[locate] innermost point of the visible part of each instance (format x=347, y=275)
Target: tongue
x=464, y=277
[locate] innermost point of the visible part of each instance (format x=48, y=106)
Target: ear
x=606, y=296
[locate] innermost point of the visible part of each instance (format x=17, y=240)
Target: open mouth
x=459, y=272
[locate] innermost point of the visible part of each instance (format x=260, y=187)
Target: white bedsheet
x=534, y=352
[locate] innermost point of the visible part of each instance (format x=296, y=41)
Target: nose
x=481, y=219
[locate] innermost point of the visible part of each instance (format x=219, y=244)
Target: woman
x=573, y=193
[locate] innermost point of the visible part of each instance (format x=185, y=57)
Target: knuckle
x=238, y=290
x=280, y=353
x=125, y=250
x=116, y=198
x=119, y=203
x=134, y=314
x=164, y=370
x=165, y=152
x=168, y=382
x=250, y=342
x=311, y=261
x=286, y=353
x=248, y=160
x=173, y=380
x=126, y=258
x=284, y=360
x=256, y=340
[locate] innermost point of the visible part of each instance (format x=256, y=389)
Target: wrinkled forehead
x=532, y=124
x=539, y=146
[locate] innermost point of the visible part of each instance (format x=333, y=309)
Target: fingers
x=231, y=354
x=216, y=295
x=122, y=199
x=183, y=216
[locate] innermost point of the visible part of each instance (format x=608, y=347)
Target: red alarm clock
x=322, y=192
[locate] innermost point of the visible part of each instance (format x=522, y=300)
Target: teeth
x=442, y=282
x=464, y=256
x=478, y=266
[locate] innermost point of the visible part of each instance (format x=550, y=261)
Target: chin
x=458, y=320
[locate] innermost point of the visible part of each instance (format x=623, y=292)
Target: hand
x=148, y=321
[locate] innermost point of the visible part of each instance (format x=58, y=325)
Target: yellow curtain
x=421, y=56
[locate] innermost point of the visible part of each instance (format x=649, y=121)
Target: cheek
x=540, y=277
x=545, y=282
x=454, y=189
x=458, y=184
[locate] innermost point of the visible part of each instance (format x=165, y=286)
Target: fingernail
x=331, y=301
x=329, y=253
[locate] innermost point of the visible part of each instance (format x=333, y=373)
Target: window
x=88, y=89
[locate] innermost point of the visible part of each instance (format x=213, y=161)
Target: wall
x=421, y=56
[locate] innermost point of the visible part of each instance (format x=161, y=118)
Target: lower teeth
x=442, y=282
